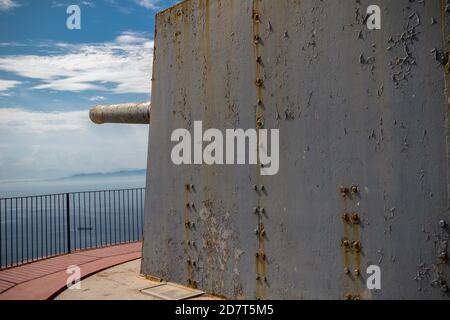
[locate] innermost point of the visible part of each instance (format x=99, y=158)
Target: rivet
x=188, y=205
x=355, y=218
x=259, y=82
x=189, y=262
x=357, y=297
x=259, y=59
x=259, y=102
x=262, y=188
x=187, y=187
x=259, y=124
x=257, y=255
x=258, y=278
x=443, y=256
x=357, y=245
x=255, y=210
x=346, y=270
x=263, y=256
x=256, y=39
x=265, y=279
x=255, y=187
x=193, y=205
x=256, y=17
x=188, y=224
x=263, y=233
x=194, y=263
x=262, y=210
x=442, y=224
x=444, y=288
x=348, y=296
x=256, y=231
x=191, y=186
x=346, y=243
x=354, y=189
x=345, y=217
x=343, y=190
x=357, y=272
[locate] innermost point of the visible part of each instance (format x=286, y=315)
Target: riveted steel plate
x=354, y=106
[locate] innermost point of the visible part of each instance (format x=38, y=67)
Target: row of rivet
x=260, y=231
x=190, y=227
x=351, y=246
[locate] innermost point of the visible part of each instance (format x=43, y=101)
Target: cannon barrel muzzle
x=130, y=113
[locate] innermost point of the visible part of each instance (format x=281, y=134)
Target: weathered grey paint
x=127, y=113
x=353, y=107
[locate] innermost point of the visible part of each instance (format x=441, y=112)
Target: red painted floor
x=42, y=280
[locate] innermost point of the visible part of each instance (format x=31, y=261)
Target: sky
x=50, y=76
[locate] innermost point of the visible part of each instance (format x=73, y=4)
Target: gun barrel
x=129, y=113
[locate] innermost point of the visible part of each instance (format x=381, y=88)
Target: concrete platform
x=122, y=282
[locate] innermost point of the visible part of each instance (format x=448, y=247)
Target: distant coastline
x=114, y=174
x=121, y=173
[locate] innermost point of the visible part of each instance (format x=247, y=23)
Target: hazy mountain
x=122, y=173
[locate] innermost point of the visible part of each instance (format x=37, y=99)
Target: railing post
x=69, y=250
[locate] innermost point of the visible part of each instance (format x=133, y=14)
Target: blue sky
x=50, y=76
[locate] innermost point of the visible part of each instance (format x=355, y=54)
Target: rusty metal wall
x=354, y=107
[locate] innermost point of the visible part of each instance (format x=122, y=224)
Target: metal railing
x=39, y=227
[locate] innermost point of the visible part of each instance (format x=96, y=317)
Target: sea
x=26, y=188
x=103, y=209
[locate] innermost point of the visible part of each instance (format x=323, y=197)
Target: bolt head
x=343, y=190
x=357, y=245
x=354, y=189
x=346, y=217
x=355, y=218
x=357, y=272
x=443, y=256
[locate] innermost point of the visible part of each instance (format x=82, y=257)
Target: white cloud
x=6, y=85
x=41, y=122
x=122, y=66
x=97, y=98
x=54, y=144
x=8, y=4
x=148, y=4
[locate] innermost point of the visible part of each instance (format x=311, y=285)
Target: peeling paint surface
x=354, y=107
